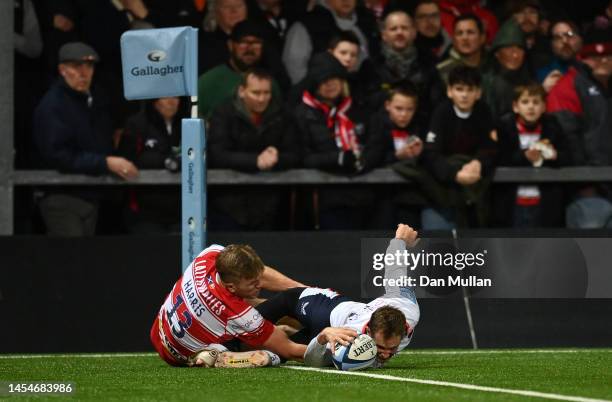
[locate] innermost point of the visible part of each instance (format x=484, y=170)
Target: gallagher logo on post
x=156, y=55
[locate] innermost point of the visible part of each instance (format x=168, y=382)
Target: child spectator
x=344, y=46
x=331, y=130
x=459, y=152
x=393, y=136
x=528, y=137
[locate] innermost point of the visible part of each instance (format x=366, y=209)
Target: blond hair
x=238, y=261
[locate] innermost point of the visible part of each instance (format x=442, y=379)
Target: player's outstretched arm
x=280, y=344
x=276, y=282
x=407, y=234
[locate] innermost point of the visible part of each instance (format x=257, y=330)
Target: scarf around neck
x=399, y=62
x=344, y=128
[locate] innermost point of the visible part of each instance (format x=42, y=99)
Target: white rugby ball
x=356, y=356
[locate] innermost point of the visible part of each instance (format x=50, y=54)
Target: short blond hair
x=238, y=261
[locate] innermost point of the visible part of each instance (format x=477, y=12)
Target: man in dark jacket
x=400, y=60
x=250, y=133
x=73, y=133
x=582, y=103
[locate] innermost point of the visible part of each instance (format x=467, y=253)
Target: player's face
x=463, y=96
x=247, y=288
x=401, y=109
x=387, y=347
x=529, y=107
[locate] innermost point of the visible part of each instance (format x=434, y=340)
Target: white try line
x=78, y=355
x=534, y=394
x=497, y=351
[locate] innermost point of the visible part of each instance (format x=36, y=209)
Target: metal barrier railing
x=294, y=177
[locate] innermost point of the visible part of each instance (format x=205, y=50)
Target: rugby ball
x=356, y=356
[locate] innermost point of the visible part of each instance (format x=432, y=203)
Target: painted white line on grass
x=497, y=351
x=96, y=355
x=534, y=394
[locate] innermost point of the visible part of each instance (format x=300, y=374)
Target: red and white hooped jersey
x=199, y=312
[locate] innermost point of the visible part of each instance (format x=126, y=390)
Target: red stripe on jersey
x=185, y=352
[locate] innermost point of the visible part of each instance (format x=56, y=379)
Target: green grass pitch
x=579, y=373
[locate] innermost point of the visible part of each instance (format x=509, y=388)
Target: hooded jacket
x=498, y=82
x=319, y=147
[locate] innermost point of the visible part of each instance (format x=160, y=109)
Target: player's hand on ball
x=333, y=335
x=407, y=234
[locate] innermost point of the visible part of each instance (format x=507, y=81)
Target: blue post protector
x=193, y=172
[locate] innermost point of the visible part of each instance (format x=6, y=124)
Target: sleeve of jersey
x=317, y=355
x=394, y=271
x=252, y=328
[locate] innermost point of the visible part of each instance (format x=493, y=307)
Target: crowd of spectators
x=442, y=91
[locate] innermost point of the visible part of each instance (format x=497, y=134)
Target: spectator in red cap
x=582, y=103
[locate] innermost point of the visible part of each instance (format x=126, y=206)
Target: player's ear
x=367, y=331
x=230, y=287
